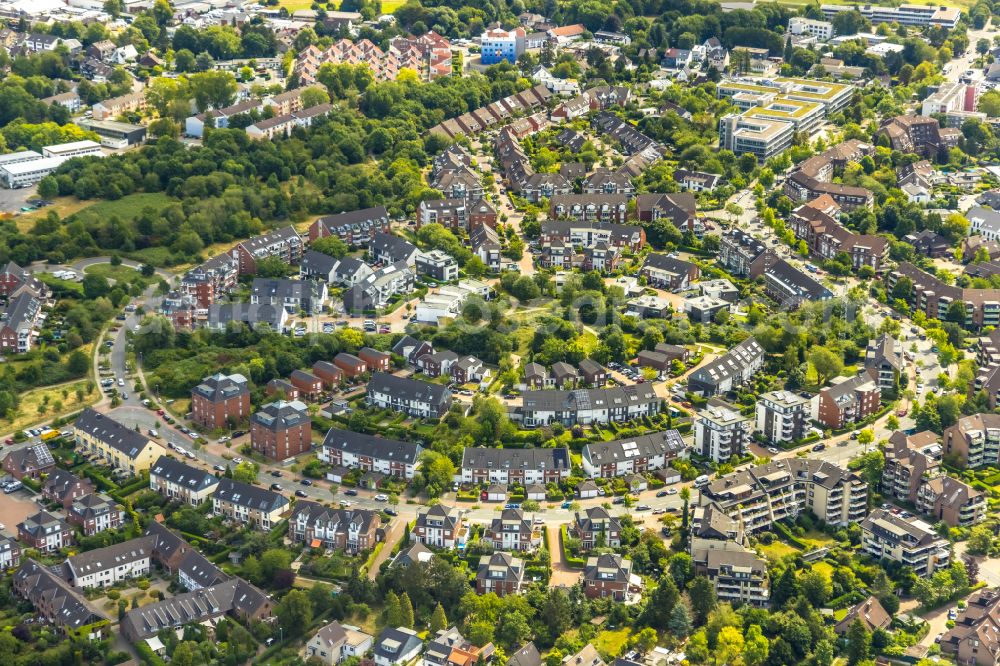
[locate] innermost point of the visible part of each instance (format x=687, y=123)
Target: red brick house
x=309, y=385
x=331, y=375
x=220, y=401
x=95, y=513
x=375, y=359
x=31, y=462
x=350, y=364
x=45, y=532
x=65, y=487
x=499, y=573
x=608, y=576
x=849, y=400
x=281, y=430
x=318, y=526
x=289, y=390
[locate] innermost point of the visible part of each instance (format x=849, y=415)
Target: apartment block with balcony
x=850, y=399
x=721, y=432
x=952, y=501
x=739, y=577
x=782, y=416
x=974, y=440
x=913, y=543
x=782, y=489
x=910, y=460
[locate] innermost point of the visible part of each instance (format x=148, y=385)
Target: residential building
x=782, y=416
x=869, y=612
x=919, y=134
x=31, y=462
x=815, y=222
x=908, y=541
x=601, y=209
x=974, y=440
x=973, y=638
x=110, y=565
x=95, y=513
x=661, y=270
x=335, y=642
x=679, y=207
x=439, y=526
x=284, y=244
x=348, y=530
x=395, y=647
x=356, y=228
x=500, y=573
x=179, y=481
x=14, y=279
x=596, y=528
x=109, y=109
x=234, y=597
x=849, y=400
x=295, y=296
x=743, y=255
x=790, y=287
x=934, y=297
x=728, y=371
x=281, y=430
x=640, y=454
x=414, y=397
x=355, y=450
x=587, y=406
x=498, y=45
x=587, y=656
x=605, y=181
x=220, y=401
x=388, y=248
x=593, y=373
x=58, y=603
x=515, y=466
x=114, y=444
x=437, y=264
x=697, y=181
x=309, y=385
x=721, y=432
x=44, y=532
x=739, y=577
x=929, y=244
x=589, y=234
x=248, y=505
x=821, y=30
x=884, y=358
x=782, y=489
x=609, y=576
x=910, y=460
x=952, y=501
x=351, y=365
x=65, y=487
x=17, y=323
x=10, y=553
x=194, y=572
x=513, y=532
x=373, y=292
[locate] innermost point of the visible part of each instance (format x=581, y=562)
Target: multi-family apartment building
x=952, y=501
x=248, y=505
x=975, y=636
x=743, y=255
x=782, y=489
x=179, y=481
x=281, y=430
x=885, y=359
x=111, y=564
x=439, y=526
x=411, y=396
x=10, y=553
x=595, y=527
x=919, y=134
x=934, y=297
x=220, y=401
x=849, y=400
x=18, y=321
x=728, y=371
x=678, y=207
x=355, y=450
x=284, y=244
x=372, y=292
x=739, y=577
x=782, y=416
x=634, y=455
x=515, y=466
x=307, y=296
x=592, y=208
x=661, y=270
x=356, y=228
x=974, y=440
x=908, y=541
x=56, y=601
x=95, y=513
x=815, y=222
x=586, y=406
x=512, y=531
x=348, y=530
x=114, y=444
x=790, y=287
x=721, y=432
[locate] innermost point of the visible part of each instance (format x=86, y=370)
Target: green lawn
x=126, y=208
x=612, y=642
x=118, y=273
x=777, y=550
x=824, y=568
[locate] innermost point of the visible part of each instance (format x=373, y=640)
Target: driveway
x=393, y=536
x=14, y=508
x=562, y=575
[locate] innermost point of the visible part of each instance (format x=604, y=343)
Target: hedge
x=571, y=562
x=788, y=536
x=32, y=483
x=147, y=656
x=102, y=482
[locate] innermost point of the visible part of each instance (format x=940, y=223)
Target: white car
x=671, y=491
x=237, y=460
x=381, y=498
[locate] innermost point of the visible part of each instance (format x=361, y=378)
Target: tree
x=980, y=540
x=391, y=609
x=214, y=88
x=438, y=620
x=185, y=653
x=645, y=640
x=295, y=612
x=866, y=437
x=859, y=642
x=513, y=629
x=816, y=588
x=435, y=474
x=679, y=624
x=661, y=603
x=697, y=647
x=405, y=611
x=681, y=569
x=785, y=588
x=331, y=246
x=314, y=96
x=729, y=646
x=826, y=363
x=702, y=598
x=95, y=286
x=246, y=472
x=48, y=187
x=957, y=312
x=557, y=611
x=755, y=646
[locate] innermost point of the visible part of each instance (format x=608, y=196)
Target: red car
x=8, y=441
x=160, y=412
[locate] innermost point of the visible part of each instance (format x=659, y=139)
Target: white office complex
x=760, y=137
x=26, y=168
x=73, y=149
x=909, y=15
x=821, y=30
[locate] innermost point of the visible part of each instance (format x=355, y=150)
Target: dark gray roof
x=32, y=457
x=667, y=443
x=203, y=573
x=182, y=474
x=668, y=264
x=619, y=396
x=336, y=519
x=112, y=433
x=281, y=415
x=395, y=247
x=795, y=284
x=616, y=565
x=408, y=389
x=220, y=387
x=252, y=497
x=527, y=655
x=45, y=588
x=392, y=643
x=382, y=448
x=109, y=557
x=511, y=567
x=729, y=364
x=514, y=459
x=377, y=215
x=316, y=262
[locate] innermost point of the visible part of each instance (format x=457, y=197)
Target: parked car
x=300, y=493
x=351, y=492
x=276, y=487
x=218, y=468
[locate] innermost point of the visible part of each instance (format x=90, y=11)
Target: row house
x=352, y=366
x=248, y=505
x=439, y=526
x=625, y=133
x=514, y=466
x=494, y=113
x=178, y=481
x=356, y=228
x=816, y=223
x=782, y=489
x=45, y=533
x=934, y=297
x=790, y=287
x=281, y=430
x=728, y=371
x=908, y=541
x=596, y=528
x=587, y=406
x=113, y=564
x=416, y=398
x=109, y=109
x=114, y=444
x=348, y=530
x=220, y=401
x=635, y=455
x=331, y=376
x=849, y=400
x=743, y=255
x=95, y=513
x=64, y=487
x=354, y=450
x=375, y=360
x=512, y=531
x=595, y=208
x=57, y=602
x=309, y=385
x=667, y=272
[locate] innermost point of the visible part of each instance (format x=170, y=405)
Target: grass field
x=824, y=568
x=127, y=208
x=612, y=642
x=777, y=550
x=118, y=273
x=27, y=411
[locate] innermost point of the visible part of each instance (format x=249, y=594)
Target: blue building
x=499, y=45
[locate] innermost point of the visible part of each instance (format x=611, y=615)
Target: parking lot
x=14, y=508
x=11, y=201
